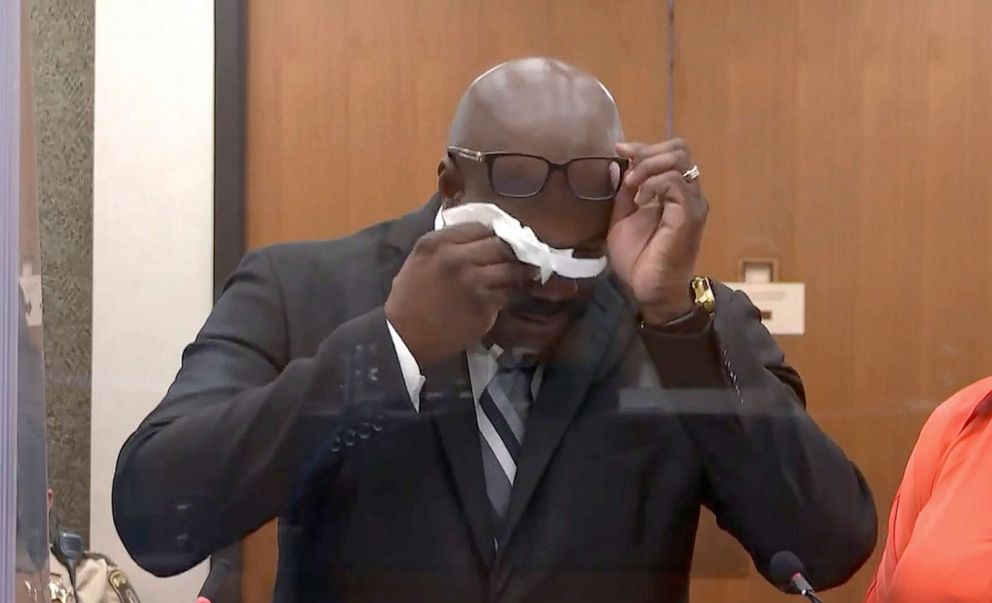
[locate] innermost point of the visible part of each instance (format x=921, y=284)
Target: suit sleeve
x=775, y=480
x=244, y=427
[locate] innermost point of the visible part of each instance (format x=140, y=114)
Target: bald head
x=540, y=106
x=553, y=110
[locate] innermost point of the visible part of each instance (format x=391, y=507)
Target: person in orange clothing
x=939, y=545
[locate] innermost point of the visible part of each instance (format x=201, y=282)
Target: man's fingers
x=623, y=204
x=491, y=250
x=630, y=150
x=677, y=160
x=666, y=187
x=493, y=299
x=644, y=196
x=638, y=151
x=671, y=188
x=460, y=233
x=505, y=276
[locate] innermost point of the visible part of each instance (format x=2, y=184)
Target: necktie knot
x=516, y=383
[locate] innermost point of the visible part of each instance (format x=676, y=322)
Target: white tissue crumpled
x=525, y=244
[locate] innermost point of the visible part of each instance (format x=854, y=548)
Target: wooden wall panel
x=851, y=140
x=847, y=139
x=349, y=101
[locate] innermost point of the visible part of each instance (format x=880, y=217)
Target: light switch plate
x=756, y=270
x=782, y=305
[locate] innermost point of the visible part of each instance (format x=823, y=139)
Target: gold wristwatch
x=702, y=292
x=695, y=320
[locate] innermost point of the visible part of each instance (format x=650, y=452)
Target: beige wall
x=152, y=231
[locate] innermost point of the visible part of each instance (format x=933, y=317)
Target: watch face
x=703, y=292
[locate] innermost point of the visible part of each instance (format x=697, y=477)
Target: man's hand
x=449, y=291
x=656, y=228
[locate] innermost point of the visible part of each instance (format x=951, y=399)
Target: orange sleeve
x=935, y=438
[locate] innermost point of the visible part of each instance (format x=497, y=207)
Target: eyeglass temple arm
x=467, y=154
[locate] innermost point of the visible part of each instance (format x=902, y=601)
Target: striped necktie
x=501, y=412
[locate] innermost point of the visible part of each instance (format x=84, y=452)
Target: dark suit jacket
x=291, y=403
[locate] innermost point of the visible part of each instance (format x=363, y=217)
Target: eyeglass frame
x=488, y=157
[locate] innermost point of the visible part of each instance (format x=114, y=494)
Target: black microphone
x=215, y=580
x=786, y=571
x=69, y=550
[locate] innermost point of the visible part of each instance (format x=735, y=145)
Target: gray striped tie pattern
x=501, y=412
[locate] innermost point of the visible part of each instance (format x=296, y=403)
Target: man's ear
x=450, y=182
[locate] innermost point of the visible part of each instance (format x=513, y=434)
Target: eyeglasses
x=521, y=175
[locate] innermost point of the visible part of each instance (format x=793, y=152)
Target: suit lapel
x=447, y=399
x=567, y=378
x=447, y=393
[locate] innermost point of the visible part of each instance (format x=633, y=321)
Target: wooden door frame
x=230, y=31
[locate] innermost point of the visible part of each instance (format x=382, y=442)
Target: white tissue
x=525, y=244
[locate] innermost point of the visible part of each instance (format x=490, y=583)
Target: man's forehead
x=558, y=144
x=557, y=130
x=538, y=106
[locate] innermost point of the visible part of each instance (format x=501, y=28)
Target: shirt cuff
x=408, y=365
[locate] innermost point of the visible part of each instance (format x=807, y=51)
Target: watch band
x=696, y=320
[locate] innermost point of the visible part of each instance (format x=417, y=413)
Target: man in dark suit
x=430, y=423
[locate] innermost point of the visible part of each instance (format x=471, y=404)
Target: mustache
x=533, y=306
